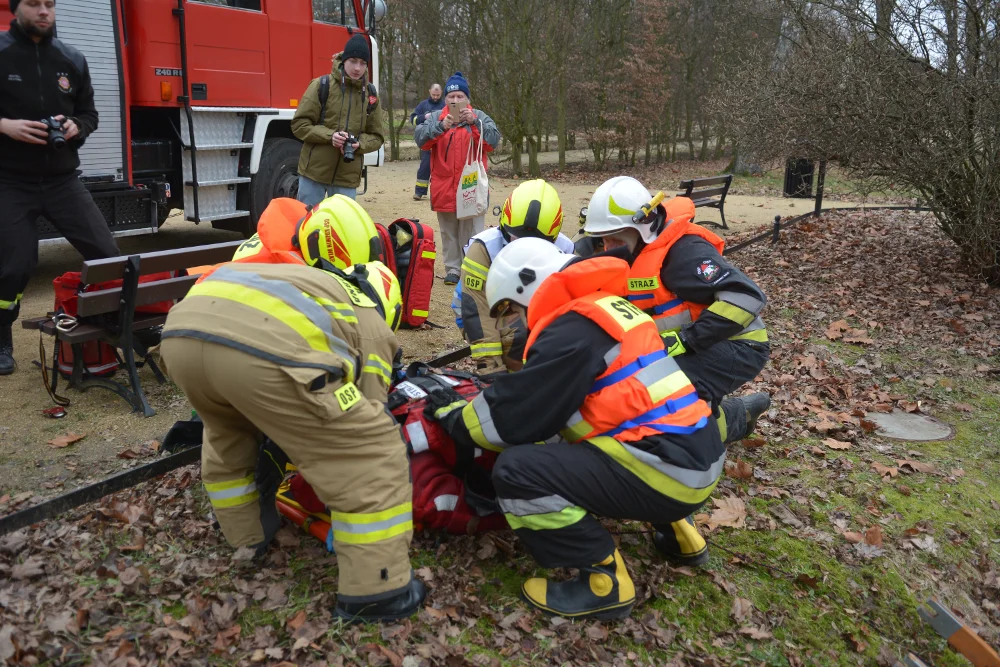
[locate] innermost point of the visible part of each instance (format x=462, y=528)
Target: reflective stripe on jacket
x=643, y=392
x=648, y=291
x=641, y=410
x=301, y=318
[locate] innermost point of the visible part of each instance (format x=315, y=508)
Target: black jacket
x=535, y=403
x=683, y=274
x=38, y=81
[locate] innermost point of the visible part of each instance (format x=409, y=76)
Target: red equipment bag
x=413, y=250
x=387, y=256
x=99, y=358
x=449, y=494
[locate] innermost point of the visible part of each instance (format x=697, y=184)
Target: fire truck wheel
x=277, y=176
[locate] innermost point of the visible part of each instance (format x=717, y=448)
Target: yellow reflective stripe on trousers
x=731, y=313
x=475, y=268
x=548, y=521
x=11, y=305
x=232, y=493
x=369, y=527
x=658, y=480
x=379, y=367
x=486, y=350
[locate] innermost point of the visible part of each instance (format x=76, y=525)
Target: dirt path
x=25, y=458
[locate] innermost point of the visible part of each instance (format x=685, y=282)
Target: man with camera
x=339, y=119
x=46, y=112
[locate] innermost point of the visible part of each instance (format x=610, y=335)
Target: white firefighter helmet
x=614, y=203
x=519, y=268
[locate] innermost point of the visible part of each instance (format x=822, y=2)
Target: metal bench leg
x=76, y=378
x=722, y=212
x=138, y=399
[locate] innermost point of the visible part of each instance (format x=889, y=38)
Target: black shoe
x=7, y=363
x=398, y=607
x=603, y=591
x=685, y=546
x=451, y=279
x=755, y=405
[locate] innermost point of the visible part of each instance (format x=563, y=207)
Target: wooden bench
x=121, y=327
x=708, y=192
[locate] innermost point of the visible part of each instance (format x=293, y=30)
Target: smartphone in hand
x=455, y=111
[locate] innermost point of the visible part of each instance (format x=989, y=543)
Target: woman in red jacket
x=448, y=140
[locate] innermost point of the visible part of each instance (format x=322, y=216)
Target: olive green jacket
x=346, y=110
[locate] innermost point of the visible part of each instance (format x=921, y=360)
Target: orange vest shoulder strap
x=615, y=315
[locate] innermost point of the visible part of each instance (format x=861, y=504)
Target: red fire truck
x=195, y=99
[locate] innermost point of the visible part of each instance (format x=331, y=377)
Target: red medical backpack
x=449, y=494
x=99, y=358
x=413, y=263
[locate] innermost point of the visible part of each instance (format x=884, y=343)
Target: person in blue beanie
x=448, y=139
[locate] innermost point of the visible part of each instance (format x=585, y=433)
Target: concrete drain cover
x=901, y=425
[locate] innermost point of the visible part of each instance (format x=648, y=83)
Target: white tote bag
x=473, y=195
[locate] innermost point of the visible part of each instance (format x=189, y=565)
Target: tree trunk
x=515, y=155
x=687, y=129
x=534, y=170
x=388, y=53
x=703, y=128
x=720, y=143
x=561, y=121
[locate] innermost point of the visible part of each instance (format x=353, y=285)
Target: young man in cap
x=448, y=139
x=351, y=119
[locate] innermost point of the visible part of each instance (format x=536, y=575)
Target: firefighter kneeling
x=636, y=440
x=286, y=350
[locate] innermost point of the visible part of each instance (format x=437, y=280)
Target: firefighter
x=532, y=209
x=300, y=354
x=289, y=232
x=707, y=310
x=637, y=441
x=46, y=96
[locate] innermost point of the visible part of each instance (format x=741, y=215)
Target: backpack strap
x=324, y=95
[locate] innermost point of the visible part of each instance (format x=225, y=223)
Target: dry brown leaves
x=66, y=440
x=730, y=511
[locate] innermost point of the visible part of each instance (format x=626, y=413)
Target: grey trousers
x=455, y=234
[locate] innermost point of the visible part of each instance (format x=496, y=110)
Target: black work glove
x=444, y=405
x=270, y=472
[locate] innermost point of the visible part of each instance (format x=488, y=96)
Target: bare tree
x=902, y=94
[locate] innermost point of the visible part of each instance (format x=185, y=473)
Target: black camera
x=57, y=138
x=349, y=148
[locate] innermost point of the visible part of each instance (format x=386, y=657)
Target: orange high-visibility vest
x=275, y=231
x=643, y=392
x=645, y=287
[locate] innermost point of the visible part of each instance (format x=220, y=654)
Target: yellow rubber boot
x=603, y=591
x=683, y=545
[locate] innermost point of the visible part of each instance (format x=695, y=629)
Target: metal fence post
x=777, y=229
x=819, y=186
